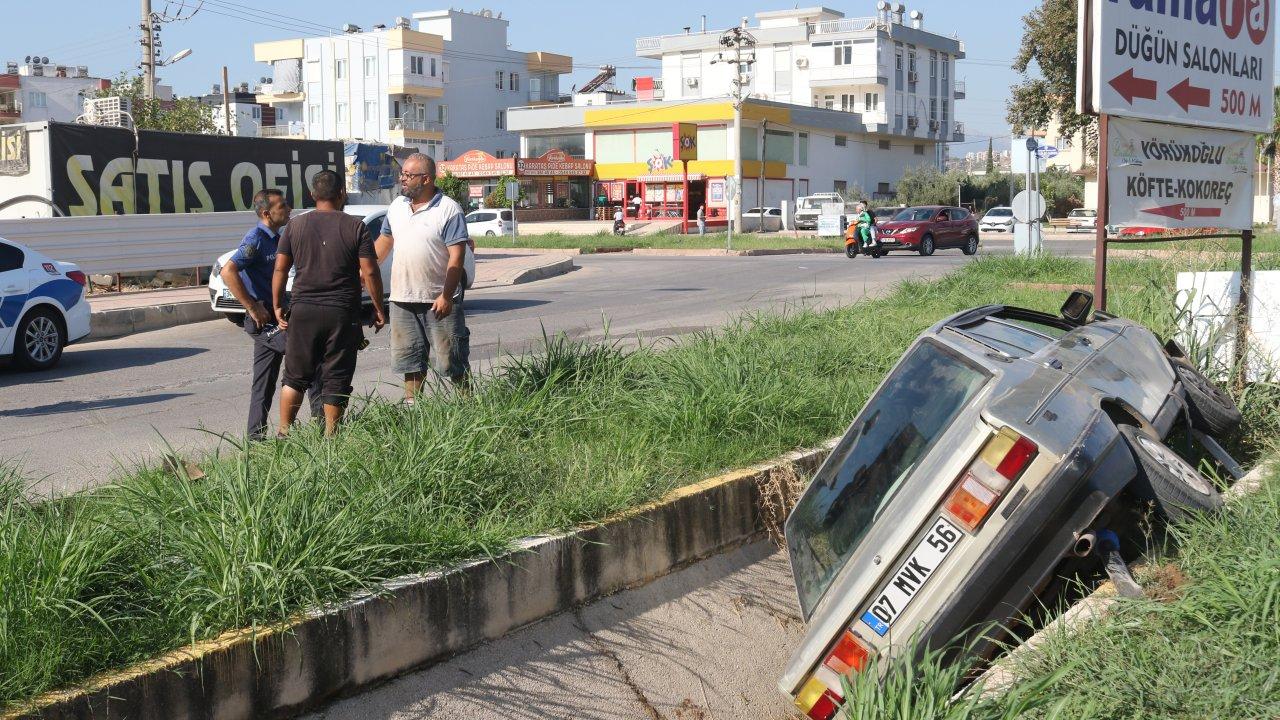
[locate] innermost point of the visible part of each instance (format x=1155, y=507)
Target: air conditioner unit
x=933, y=125
x=802, y=62
x=912, y=76
x=912, y=122
x=691, y=82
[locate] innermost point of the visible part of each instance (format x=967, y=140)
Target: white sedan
x=997, y=219
x=42, y=306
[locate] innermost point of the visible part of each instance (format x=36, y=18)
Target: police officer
x=248, y=277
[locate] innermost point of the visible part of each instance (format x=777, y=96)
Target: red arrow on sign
x=1180, y=211
x=1130, y=86
x=1186, y=95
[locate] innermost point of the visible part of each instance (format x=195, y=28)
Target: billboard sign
x=1175, y=177
x=477, y=164
x=1207, y=62
x=684, y=141
x=108, y=171
x=15, y=152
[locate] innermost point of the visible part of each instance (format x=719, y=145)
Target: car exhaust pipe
x=1084, y=543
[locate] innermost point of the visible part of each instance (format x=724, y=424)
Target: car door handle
x=9, y=289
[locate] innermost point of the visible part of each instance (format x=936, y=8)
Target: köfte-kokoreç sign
x=1177, y=177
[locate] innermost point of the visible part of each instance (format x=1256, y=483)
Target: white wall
x=63, y=97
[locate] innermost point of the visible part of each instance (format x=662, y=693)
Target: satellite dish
x=28, y=59
x=44, y=61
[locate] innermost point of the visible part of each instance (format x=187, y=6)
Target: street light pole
x=739, y=40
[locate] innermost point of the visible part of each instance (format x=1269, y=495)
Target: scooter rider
x=864, y=222
x=619, y=224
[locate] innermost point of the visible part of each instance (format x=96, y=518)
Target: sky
x=103, y=34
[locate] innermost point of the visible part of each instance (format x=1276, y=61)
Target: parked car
x=1082, y=220
x=999, y=441
x=222, y=301
x=928, y=228
x=43, y=308
x=766, y=219
x=490, y=222
x=997, y=219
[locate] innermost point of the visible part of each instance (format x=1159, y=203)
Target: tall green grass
x=565, y=436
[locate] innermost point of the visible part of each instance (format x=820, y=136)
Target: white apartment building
x=896, y=76
x=248, y=116
x=443, y=87
x=37, y=90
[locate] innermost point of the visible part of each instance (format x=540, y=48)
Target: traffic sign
x=1047, y=152
x=1028, y=206
x=1207, y=63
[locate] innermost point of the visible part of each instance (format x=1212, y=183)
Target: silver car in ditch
x=995, y=443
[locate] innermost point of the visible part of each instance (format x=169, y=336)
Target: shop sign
x=617, y=190
x=684, y=141
x=554, y=162
x=15, y=155
x=1176, y=177
x=715, y=191
x=477, y=164
x=1206, y=63
x=475, y=191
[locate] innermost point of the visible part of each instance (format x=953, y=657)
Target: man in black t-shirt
x=334, y=254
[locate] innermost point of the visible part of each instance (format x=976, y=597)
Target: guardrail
x=132, y=243
x=846, y=25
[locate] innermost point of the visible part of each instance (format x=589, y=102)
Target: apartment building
x=248, y=117
x=896, y=76
x=441, y=82
x=36, y=90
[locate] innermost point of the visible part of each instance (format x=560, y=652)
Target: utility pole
x=743, y=46
x=148, y=53
x=226, y=105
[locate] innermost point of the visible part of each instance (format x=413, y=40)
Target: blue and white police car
x=42, y=306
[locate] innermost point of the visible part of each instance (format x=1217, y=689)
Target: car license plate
x=226, y=293
x=888, y=241
x=905, y=584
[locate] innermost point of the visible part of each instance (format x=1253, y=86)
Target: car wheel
x=926, y=245
x=490, y=233
x=970, y=246
x=1212, y=410
x=39, y=341
x=1180, y=492
x=236, y=319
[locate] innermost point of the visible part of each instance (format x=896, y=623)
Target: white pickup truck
x=809, y=207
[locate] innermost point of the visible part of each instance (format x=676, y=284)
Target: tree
x=926, y=185
x=498, y=198
x=991, y=162
x=453, y=186
x=1049, y=40
x=180, y=115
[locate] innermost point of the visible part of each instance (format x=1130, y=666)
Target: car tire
x=490, y=233
x=926, y=245
x=39, y=340
x=1212, y=410
x=970, y=245
x=236, y=319
x=1179, y=491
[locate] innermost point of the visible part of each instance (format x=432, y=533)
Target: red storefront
x=555, y=185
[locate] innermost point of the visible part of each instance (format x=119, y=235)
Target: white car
x=766, y=218
x=42, y=306
x=997, y=219
x=1082, y=220
x=222, y=301
x=489, y=222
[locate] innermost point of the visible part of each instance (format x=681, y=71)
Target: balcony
x=409, y=126
x=271, y=93
x=295, y=130
x=841, y=75
x=10, y=109
x=831, y=27
x=957, y=132
x=959, y=91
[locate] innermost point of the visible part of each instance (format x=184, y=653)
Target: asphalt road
x=112, y=403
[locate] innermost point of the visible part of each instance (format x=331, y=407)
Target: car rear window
x=892, y=434
x=11, y=258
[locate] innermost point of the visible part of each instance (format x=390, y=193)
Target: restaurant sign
x=478, y=164
x=554, y=162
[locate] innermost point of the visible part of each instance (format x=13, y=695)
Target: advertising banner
x=554, y=162
x=1169, y=176
x=106, y=171
x=684, y=141
x=1208, y=62
x=15, y=152
x=477, y=164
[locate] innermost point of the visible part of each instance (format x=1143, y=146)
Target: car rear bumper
x=1041, y=531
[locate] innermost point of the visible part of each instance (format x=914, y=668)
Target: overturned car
x=992, y=447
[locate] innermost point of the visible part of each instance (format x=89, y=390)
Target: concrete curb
x=482, y=250
x=108, y=324
x=1003, y=674
x=716, y=252
x=418, y=620
x=541, y=272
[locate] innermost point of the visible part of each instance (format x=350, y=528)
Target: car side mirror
x=1076, y=309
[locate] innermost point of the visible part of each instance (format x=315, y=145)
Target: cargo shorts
x=421, y=342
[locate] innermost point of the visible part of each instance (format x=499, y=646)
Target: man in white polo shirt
x=429, y=233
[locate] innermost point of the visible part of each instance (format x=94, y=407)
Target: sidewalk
x=118, y=315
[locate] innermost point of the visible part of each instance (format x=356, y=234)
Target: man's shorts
x=419, y=341
x=324, y=338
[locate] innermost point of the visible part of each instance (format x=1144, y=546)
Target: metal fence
x=132, y=243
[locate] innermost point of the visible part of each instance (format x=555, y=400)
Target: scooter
x=853, y=245
x=619, y=227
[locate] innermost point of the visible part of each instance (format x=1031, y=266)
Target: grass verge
x=710, y=241
x=116, y=575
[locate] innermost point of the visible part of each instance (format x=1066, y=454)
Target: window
x=782, y=69
x=1009, y=338
x=370, y=110
x=829, y=102
x=340, y=69
x=919, y=149
x=535, y=88
x=370, y=66
x=497, y=79
x=779, y=146
x=37, y=99
x=442, y=114
x=871, y=103
x=933, y=64
x=841, y=141
x=256, y=112
x=884, y=145
x=415, y=64
x=911, y=60
x=882, y=188
x=433, y=67
x=500, y=120
x=11, y=258
x=515, y=82
x=340, y=112
x=897, y=59
x=843, y=51
x=933, y=108
x=499, y=154
x=804, y=149
x=946, y=63
x=946, y=111
x=313, y=113
x=444, y=71
x=840, y=186
x=574, y=145
x=846, y=102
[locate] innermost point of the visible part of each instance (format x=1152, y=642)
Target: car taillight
x=821, y=696
x=1001, y=462
x=79, y=277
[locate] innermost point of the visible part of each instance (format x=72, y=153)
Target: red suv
x=929, y=227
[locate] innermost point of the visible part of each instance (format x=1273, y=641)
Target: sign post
x=513, y=194
x=684, y=140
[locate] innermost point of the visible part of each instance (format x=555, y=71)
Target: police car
x=42, y=306
x=222, y=301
